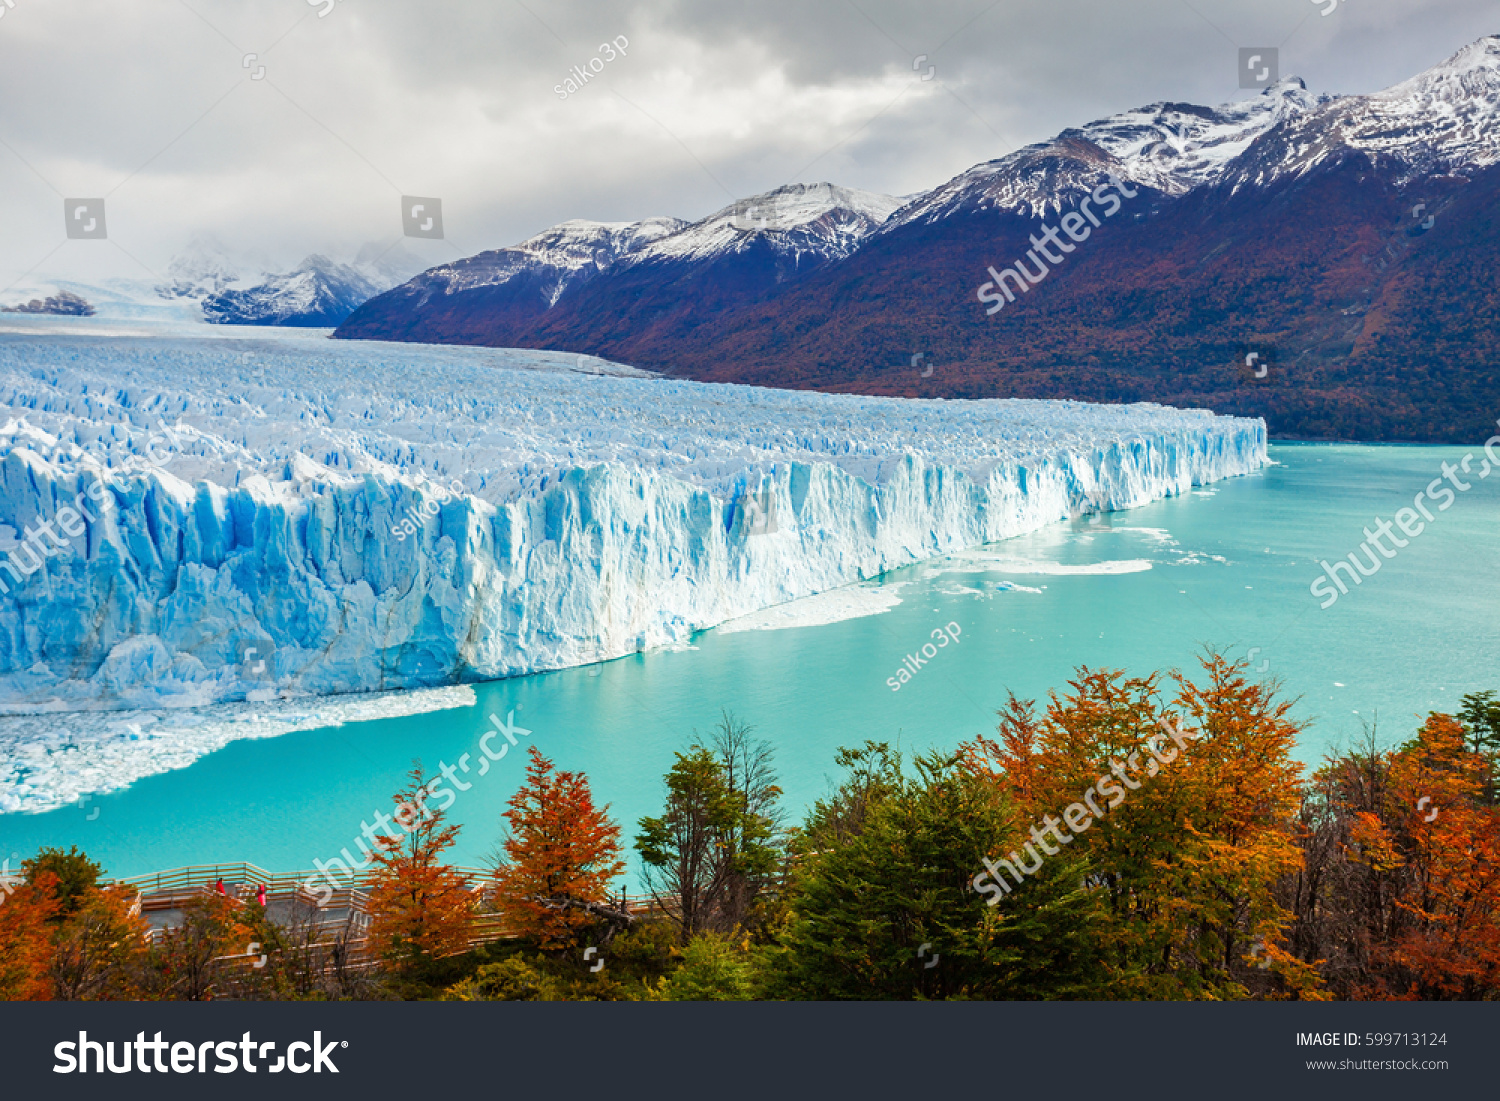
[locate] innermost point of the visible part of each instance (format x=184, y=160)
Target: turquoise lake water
x=1229, y=567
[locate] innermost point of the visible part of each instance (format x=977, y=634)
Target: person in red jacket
x=260, y=896
x=219, y=886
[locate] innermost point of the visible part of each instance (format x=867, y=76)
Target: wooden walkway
x=326, y=914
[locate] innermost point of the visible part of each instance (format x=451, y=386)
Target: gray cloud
x=154, y=106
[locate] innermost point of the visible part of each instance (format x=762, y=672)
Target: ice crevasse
x=294, y=516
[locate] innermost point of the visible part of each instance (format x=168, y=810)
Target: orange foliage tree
x=97, y=947
x=26, y=940
x=1196, y=831
x=1435, y=843
x=561, y=855
x=420, y=907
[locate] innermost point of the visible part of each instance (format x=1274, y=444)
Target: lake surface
x=1228, y=566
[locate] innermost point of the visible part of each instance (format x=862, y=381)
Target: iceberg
x=258, y=515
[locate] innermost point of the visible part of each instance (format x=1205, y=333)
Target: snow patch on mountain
x=1444, y=120
x=318, y=293
x=798, y=222
x=1171, y=147
x=821, y=221
x=560, y=259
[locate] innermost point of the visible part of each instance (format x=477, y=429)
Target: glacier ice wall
x=288, y=515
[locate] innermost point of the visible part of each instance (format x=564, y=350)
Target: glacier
x=273, y=515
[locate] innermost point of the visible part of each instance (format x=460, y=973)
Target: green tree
x=1480, y=715
x=883, y=904
x=682, y=848
x=755, y=836
x=77, y=876
x=509, y=980
x=715, y=968
x=715, y=847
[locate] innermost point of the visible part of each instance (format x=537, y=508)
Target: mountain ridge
x=1292, y=224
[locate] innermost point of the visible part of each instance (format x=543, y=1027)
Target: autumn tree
x=97, y=940
x=1437, y=842
x=25, y=938
x=420, y=907
x=1246, y=786
x=1338, y=904
x=1184, y=812
x=1402, y=891
x=97, y=948
x=188, y=961
x=561, y=855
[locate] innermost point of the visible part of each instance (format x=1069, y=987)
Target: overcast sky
x=155, y=105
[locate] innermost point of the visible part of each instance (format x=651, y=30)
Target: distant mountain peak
x=792, y=205
x=1168, y=146
x=318, y=292
x=205, y=267
x=578, y=241
x=820, y=221
x=1446, y=119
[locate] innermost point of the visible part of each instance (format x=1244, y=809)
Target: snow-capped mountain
x=817, y=221
x=1446, y=119
x=1169, y=147
x=205, y=267
x=553, y=262
x=243, y=290
x=742, y=249
x=797, y=223
x=318, y=293
x=1330, y=227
